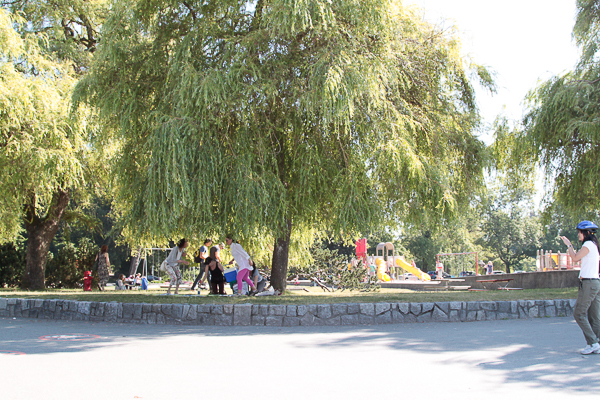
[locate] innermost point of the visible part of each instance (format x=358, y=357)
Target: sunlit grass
x=313, y=296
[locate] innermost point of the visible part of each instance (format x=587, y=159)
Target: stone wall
x=284, y=315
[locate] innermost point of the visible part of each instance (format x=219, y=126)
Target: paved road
x=493, y=360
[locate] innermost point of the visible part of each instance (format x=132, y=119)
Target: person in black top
x=217, y=280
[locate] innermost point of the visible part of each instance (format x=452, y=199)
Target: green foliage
x=333, y=269
x=244, y=116
x=66, y=269
x=12, y=264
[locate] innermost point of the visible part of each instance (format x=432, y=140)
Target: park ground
x=296, y=296
x=516, y=359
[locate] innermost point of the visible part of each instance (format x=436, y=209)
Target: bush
x=66, y=269
x=12, y=264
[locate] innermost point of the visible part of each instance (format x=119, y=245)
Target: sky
x=523, y=41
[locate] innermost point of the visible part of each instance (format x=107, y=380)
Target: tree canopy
x=43, y=141
x=273, y=117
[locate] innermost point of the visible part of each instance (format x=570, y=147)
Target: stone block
x=324, y=311
x=274, y=320
x=334, y=321
x=224, y=319
x=39, y=303
x=177, y=311
x=385, y=318
x=513, y=307
x=410, y=318
x=156, y=308
x=216, y=309
x=166, y=309
x=255, y=308
x=415, y=308
x=277, y=310
x=127, y=311
x=472, y=305
x=366, y=319
x=397, y=317
x=367, y=309
x=161, y=319
x=258, y=320
x=503, y=306
x=456, y=305
x=471, y=316
x=3, y=303
x=523, y=313
x=381, y=308
x=353, y=308
x=137, y=311
x=228, y=308
x=312, y=309
x=151, y=318
x=84, y=307
x=301, y=310
x=481, y=315
x=489, y=315
x=291, y=321
x=12, y=301
x=307, y=320
x=72, y=305
x=264, y=310
x=191, y=313
x=534, y=312
x=454, y=316
x=203, y=309
x=111, y=311
x=439, y=315
x=146, y=308
x=25, y=305
x=291, y=311
x=427, y=307
x=339, y=309
x=550, y=311
x=351, y=319
x=502, y=316
x=424, y=317
x=242, y=314
x=52, y=306
x=205, y=319
x=404, y=308
x=572, y=303
x=444, y=306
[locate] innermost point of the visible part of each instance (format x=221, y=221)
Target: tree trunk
x=40, y=233
x=281, y=254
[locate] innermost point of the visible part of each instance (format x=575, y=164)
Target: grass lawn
x=314, y=296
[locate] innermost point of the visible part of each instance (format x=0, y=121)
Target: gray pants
x=587, y=310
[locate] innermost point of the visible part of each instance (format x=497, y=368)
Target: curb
x=342, y=314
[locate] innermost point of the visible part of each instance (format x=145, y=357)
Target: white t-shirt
x=589, y=263
x=240, y=256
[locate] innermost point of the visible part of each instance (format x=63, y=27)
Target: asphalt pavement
x=512, y=359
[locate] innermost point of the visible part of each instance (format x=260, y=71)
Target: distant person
x=439, y=270
x=489, y=268
x=120, y=285
x=215, y=269
x=587, y=308
x=199, y=258
x=259, y=281
x=103, y=265
x=243, y=261
x=173, y=261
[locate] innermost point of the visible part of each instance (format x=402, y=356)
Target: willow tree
x=275, y=117
x=561, y=131
x=43, y=149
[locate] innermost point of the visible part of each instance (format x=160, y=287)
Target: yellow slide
x=413, y=270
x=381, y=275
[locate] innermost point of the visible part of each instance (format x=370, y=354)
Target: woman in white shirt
x=243, y=261
x=587, y=309
x=173, y=261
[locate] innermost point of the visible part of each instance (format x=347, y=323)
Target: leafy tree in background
x=510, y=229
x=44, y=153
x=276, y=119
x=12, y=264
